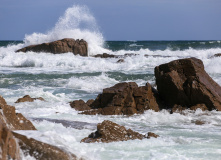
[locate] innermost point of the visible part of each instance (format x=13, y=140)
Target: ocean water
x=62, y=78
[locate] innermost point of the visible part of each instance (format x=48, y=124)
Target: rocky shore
x=180, y=84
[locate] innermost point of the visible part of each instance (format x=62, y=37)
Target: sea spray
x=78, y=23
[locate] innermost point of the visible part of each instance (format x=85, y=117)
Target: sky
x=118, y=19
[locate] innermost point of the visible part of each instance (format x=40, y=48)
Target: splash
x=78, y=23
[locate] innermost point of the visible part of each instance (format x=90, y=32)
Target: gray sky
x=118, y=19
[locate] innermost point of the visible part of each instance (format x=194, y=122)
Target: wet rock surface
x=43, y=151
x=13, y=120
x=184, y=82
x=108, y=131
x=78, y=47
x=9, y=148
x=125, y=98
x=27, y=98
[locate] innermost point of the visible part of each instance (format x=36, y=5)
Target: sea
x=62, y=78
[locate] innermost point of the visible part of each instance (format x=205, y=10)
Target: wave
x=78, y=23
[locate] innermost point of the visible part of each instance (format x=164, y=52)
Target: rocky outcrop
x=125, y=98
x=184, y=82
x=40, y=150
x=27, y=98
x=13, y=120
x=9, y=148
x=108, y=131
x=60, y=46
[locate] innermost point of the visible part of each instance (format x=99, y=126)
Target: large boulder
x=108, y=131
x=13, y=120
x=60, y=46
x=40, y=150
x=9, y=148
x=125, y=98
x=185, y=83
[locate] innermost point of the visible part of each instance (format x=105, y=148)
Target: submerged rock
x=60, y=46
x=108, y=131
x=125, y=98
x=40, y=150
x=27, y=98
x=13, y=120
x=184, y=82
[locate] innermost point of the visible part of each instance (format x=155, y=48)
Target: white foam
x=78, y=23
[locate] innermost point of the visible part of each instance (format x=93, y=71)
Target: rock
x=13, y=120
x=151, y=134
x=120, y=61
x=9, y=148
x=27, y=98
x=177, y=109
x=60, y=46
x=108, y=131
x=80, y=105
x=40, y=150
x=105, y=55
x=198, y=122
x=125, y=98
x=199, y=106
x=216, y=55
x=184, y=82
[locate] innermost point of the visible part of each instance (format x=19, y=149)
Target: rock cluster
x=122, y=98
x=12, y=143
x=60, y=46
x=108, y=131
x=181, y=84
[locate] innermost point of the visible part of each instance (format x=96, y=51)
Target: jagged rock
x=60, y=46
x=13, y=120
x=80, y=105
x=108, y=131
x=125, y=98
x=27, y=98
x=42, y=151
x=9, y=148
x=184, y=82
x=105, y=55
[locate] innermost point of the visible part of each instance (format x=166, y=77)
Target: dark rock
x=216, y=55
x=105, y=55
x=80, y=105
x=60, y=46
x=184, y=82
x=120, y=61
x=151, y=134
x=89, y=102
x=9, y=148
x=13, y=120
x=40, y=150
x=125, y=98
x=108, y=131
x=27, y=98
